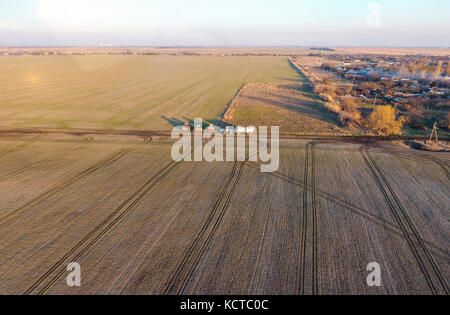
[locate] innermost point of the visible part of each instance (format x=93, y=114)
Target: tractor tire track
x=58, y=188
x=23, y=145
x=315, y=231
x=442, y=165
x=116, y=217
x=88, y=139
x=35, y=166
x=389, y=226
x=171, y=286
x=304, y=224
x=108, y=224
x=309, y=189
x=196, y=254
x=395, y=204
x=424, y=158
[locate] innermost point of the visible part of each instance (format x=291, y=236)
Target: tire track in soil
x=116, y=217
x=309, y=189
x=389, y=226
x=179, y=282
x=23, y=145
x=60, y=187
x=400, y=214
x=172, y=284
x=315, y=283
x=101, y=230
x=35, y=166
x=420, y=157
x=88, y=140
x=304, y=224
x=424, y=158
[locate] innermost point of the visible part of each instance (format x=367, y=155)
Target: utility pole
x=395, y=108
x=434, y=132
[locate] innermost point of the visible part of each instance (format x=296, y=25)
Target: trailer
x=229, y=130
x=240, y=130
x=251, y=130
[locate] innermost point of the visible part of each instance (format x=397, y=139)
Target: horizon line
x=219, y=46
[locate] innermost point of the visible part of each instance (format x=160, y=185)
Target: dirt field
x=289, y=106
x=138, y=223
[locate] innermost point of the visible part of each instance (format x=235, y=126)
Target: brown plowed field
x=138, y=223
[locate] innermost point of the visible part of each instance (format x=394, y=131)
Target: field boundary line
x=312, y=78
x=60, y=187
x=230, y=104
x=154, y=133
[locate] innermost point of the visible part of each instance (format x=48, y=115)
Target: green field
x=126, y=92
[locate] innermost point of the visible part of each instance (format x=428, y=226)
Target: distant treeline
x=322, y=49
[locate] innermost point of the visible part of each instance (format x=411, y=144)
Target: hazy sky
x=227, y=22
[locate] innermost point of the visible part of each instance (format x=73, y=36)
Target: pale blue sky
x=226, y=22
